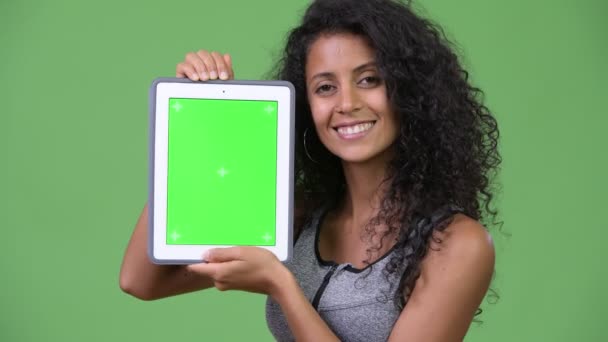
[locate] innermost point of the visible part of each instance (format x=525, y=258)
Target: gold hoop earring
x=306, y=148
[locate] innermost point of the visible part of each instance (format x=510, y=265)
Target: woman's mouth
x=355, y=131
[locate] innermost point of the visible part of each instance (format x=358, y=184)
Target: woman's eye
x=370, y=80
x=324, y=89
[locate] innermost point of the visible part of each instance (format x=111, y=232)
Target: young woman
x=394, y=158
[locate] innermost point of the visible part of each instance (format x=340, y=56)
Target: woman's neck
x=365, y=187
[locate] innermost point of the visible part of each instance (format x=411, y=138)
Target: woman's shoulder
x=457, y=232
x=467, y=235
x=464, y=245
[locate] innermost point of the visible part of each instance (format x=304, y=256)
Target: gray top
x=357, y=304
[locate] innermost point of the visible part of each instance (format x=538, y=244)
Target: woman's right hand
x=204, y=65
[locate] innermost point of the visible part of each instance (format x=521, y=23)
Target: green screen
x=74, y=153
x=221, y=175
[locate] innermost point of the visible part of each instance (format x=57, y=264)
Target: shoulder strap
x=437, y=217
x=310, y=224
x=444, y=213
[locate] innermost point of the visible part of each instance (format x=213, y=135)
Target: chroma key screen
x=221, y=186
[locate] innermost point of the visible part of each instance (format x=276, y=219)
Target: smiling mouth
x=355, y=131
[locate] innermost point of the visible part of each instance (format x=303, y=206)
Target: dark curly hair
x=447, y=149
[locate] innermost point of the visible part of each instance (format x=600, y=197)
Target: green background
x=221, y=174
x=73, y=147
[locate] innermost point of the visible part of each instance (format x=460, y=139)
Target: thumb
x=205, y=269
x=223, y=254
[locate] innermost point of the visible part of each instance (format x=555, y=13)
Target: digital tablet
x=221, y=167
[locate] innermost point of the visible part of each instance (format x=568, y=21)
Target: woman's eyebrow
x=364, y=66
x=355, y=70
x=322, y=75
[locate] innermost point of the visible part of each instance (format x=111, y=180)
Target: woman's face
x=348, y=99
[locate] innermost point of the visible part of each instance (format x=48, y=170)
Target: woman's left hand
x=246, y=268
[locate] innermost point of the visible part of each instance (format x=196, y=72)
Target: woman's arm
x=455, y=276
x=255, y=269
x=145, y=280
x=138, y=275
x=303, y=320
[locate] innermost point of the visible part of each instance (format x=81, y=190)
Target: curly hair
x=447, y=149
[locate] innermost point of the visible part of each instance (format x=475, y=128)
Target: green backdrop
x=73, y=147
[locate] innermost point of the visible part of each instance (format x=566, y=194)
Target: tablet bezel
x=161, y=91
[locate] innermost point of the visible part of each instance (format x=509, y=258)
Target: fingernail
x=194, y=77
x=204, y=76
x=213, y=75
x=224, y=75
x=206, y=255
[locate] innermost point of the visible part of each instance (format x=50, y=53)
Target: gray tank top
x=357, y=304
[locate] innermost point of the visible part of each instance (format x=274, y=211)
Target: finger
x=196, y=60
x=222, y=70
x=228, y=61
x=206, y=269
x=186, y=70
x=209, y=62
x=223, y=254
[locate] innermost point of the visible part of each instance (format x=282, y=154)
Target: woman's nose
x=349, y=100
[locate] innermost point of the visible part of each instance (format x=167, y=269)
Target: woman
x=394, y=159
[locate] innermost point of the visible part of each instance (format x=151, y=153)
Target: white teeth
x=362, y=127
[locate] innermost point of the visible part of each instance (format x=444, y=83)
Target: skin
x=343, y=86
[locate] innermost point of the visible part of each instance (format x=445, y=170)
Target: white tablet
x=221, y=167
